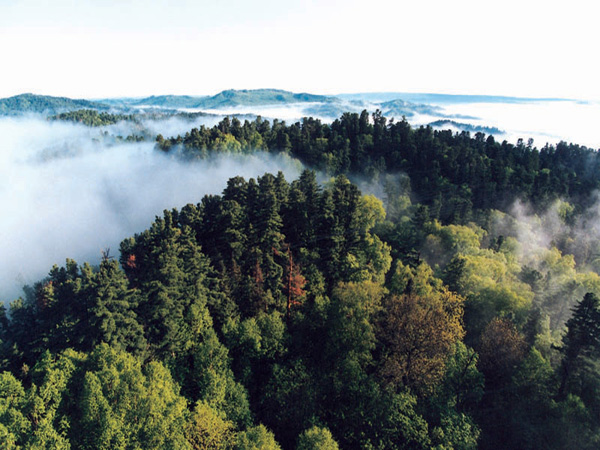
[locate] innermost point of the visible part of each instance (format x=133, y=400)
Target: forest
x=455, y=175
x=411, y=289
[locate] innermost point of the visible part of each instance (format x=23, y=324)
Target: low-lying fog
x=544, y=121
x=68, y=193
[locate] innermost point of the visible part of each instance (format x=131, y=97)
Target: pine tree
x=112, y=317
x=582, y=339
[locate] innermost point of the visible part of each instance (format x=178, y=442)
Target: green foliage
x=278, y=311
x=316, y=438
x=398, y=424
x=92, y=118
x=352, y=334
x=290, y=400
x=454, y=174
x=456, y=431
x=30, y=103
x=581, y=344
x=451, y=408
x=256, y=438
x=211, y=380
x=124, y=404
x=112, y=308
x=14, y=426
x=463, y=384
x=208, y=430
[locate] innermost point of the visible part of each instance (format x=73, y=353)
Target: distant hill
x=262, y=97
x=31, y=103
x=441, y=98
x=390, y=103
x=232, y=98
x=164, y=101
x=397, y=108
x=330, y=110
x=445, y=124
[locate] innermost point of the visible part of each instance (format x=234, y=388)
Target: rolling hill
x=32, y=103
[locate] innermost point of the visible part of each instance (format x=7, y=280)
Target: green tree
x=290, y=400
x=166, y=264
x=14, y=425
x=582, y=340
x=256, y=438
x=209, y=430
x=125, y=404
x=111, y=311
x=47, y=400
x=316, y=438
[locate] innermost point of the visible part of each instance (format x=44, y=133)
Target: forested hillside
x=459, y=310
x=454, y=175
x=93, y=118
x=226, y=99
x=31, y=103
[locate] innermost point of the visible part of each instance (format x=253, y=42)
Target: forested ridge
x=93, y=118
x=453, y=174
x=298, y=314
x=32, y=103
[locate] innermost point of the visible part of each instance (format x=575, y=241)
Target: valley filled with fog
x=299, y=225
x=73, y=191
x=224, y=236
x=69, y=191
x=545, y=122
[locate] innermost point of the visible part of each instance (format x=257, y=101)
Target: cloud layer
x=66, y=192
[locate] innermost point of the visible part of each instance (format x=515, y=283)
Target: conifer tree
x=582, y=339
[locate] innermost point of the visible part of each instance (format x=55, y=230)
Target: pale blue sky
x=134, y=48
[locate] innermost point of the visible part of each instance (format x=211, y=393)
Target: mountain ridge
x=35, y=103
x=225, y=99
x=391, y=103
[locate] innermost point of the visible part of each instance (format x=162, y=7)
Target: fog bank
x=545, y=122
x=67, y=193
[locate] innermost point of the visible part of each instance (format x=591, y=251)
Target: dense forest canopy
x=453, y=174
x=459, y=310
x=93, y=118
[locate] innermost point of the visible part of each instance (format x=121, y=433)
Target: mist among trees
x=451, y=302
